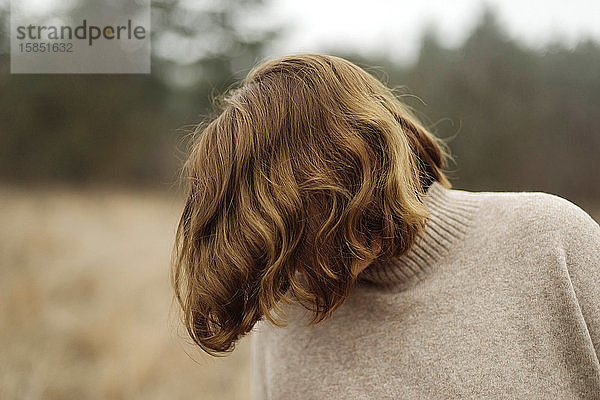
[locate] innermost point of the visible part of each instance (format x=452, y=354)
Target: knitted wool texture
x=499, y=298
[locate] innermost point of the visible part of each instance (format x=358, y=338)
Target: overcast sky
x=395, y=26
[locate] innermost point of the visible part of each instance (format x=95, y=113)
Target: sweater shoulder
x=538, y=211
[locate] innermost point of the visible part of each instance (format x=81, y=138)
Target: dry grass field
x=85, y=302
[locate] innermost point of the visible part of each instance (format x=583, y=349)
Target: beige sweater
x=498, y=299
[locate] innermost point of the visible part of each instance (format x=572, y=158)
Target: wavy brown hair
x=306, y=162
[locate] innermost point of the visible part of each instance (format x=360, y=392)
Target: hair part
x=307, y=162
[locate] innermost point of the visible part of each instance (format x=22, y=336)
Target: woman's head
x=306, y=163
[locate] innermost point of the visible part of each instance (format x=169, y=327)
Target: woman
x=319, y=218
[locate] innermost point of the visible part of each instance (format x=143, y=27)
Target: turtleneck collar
x=451, y=212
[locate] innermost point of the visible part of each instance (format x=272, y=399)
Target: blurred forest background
x=89, y=166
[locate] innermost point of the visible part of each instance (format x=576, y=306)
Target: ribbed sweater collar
x=451, y=214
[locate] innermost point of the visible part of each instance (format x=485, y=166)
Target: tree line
x=515, y=118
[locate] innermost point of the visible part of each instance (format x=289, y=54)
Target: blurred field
x=85, y=302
